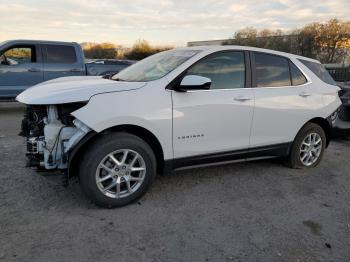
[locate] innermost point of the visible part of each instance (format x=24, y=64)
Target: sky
x=161, y=22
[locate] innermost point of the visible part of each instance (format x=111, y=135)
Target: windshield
x=154, y=67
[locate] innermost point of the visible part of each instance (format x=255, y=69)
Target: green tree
x=142, y=49
x=101, y=51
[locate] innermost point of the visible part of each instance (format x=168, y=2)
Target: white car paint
x=148, y=107
x=222, y=123
x=279, y=113
x=193, y=79
x=213, y=120
x=72, y=89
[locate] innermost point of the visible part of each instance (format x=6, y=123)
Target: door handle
x=242, y=98
x=34, y=70
x=75, y=70
x=304, y=94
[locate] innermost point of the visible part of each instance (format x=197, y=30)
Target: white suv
x=179, y=108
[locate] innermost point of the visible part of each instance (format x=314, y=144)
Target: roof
x=28, y=41
x=214, y=48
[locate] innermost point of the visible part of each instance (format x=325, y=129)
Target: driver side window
x=18, y=55
x=225, y=69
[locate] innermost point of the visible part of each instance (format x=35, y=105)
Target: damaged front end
x=51, y=132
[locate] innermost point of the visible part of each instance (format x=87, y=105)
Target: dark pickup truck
x=24, y=63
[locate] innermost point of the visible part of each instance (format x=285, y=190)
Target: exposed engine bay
x=51, y=132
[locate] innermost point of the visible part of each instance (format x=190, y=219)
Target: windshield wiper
x=110, y=77
x=118, y=79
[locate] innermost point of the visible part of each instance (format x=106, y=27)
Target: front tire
x=308, y=147
x=117, y=169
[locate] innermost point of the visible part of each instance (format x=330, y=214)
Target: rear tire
x=117, y=169
x=308, y=147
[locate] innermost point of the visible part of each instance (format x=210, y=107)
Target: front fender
x=108, y=110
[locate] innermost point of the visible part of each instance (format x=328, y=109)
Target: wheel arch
x=326, y=126
x=141, y=132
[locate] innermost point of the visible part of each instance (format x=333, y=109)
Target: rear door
x=61, y=61
x=20, y=68
x=283, y=100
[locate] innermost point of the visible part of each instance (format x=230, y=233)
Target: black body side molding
x=279, y=150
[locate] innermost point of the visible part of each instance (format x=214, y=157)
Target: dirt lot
x=257, y=211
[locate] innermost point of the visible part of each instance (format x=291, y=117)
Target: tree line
x=328, y=42
x=138, y=51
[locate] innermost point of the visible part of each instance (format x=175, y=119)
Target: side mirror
x=194, y=82
x=2, y=60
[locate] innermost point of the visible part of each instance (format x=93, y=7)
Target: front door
x=216, y=120
x=20, y=68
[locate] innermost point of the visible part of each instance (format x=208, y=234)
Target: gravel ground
x=257, y=211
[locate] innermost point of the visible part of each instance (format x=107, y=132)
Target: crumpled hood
x=73, y=89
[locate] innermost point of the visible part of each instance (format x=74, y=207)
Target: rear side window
x=297, y=76
x=271, y=70
x=320, y=71
x=60, y=54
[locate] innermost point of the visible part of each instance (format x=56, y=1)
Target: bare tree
x=332, y=39
x=329, y=42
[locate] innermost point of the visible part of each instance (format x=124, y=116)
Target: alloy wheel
x=310, y=149
x=120, y=173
